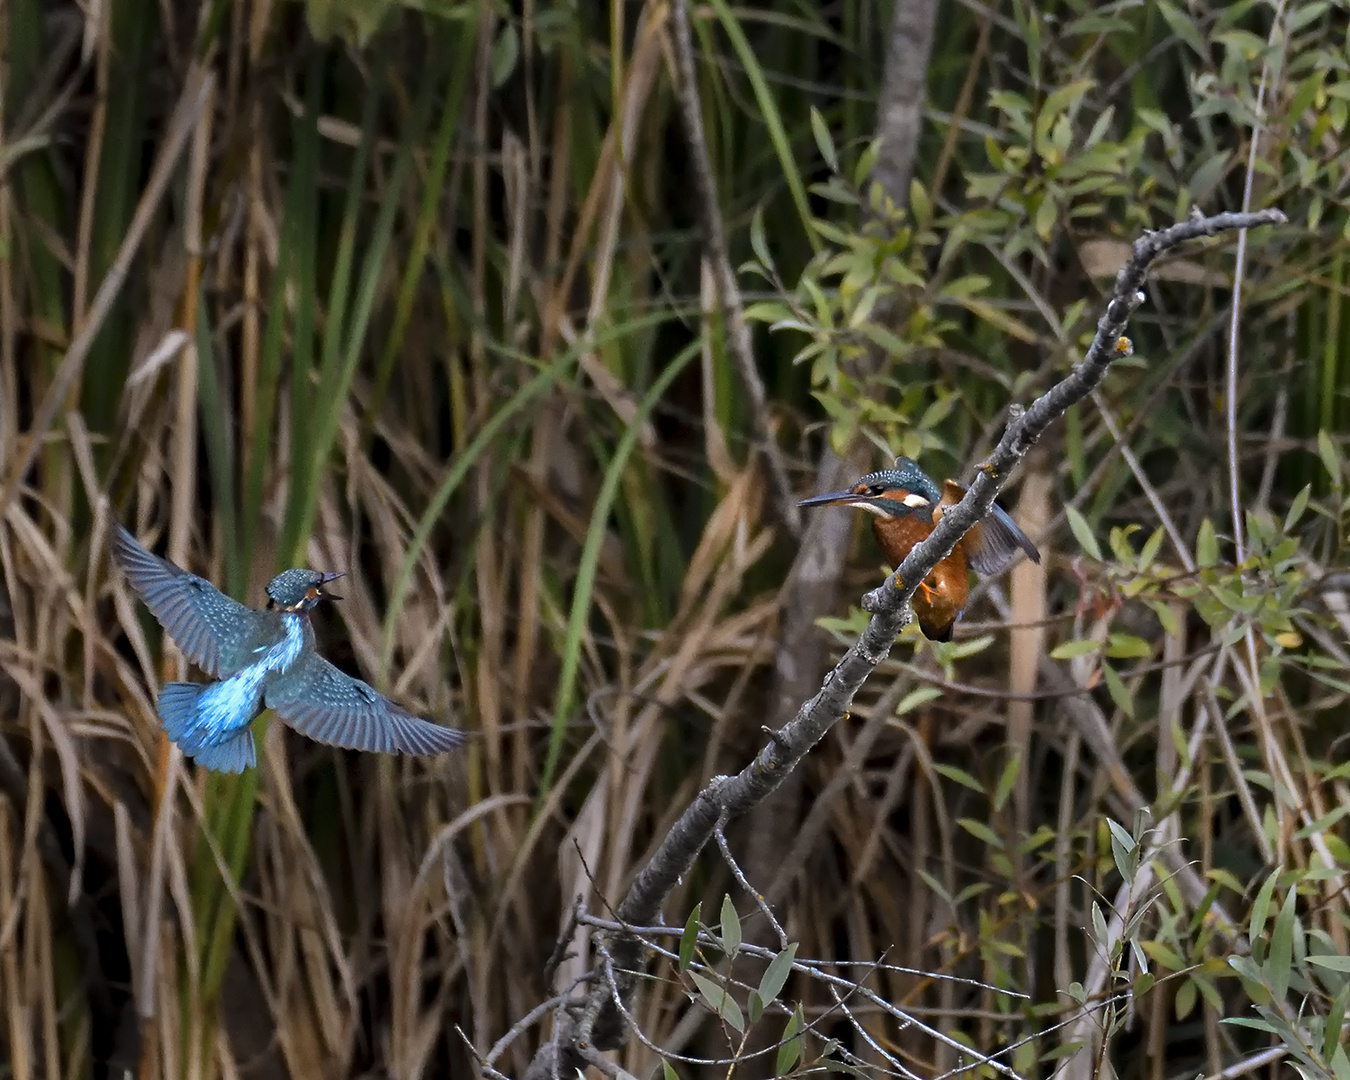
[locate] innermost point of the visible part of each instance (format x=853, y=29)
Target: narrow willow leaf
x=690, y=937
x=1071, y=649
x=1082, y=532
x=1206, y=545
x=821, y=131
x=754, y=1006
x=1120, y=693
x=981, y=831
x=1335, y=1020
x=1127, y=647
x=1149, y=551
x=951, y=772
x=668, y=1071
x=1340, y=1064
x=1331, y=461
x=790, y=1049
x=731, y=927
x=920, y=696
x=722, y=1003
x=1296, y=509
x=1248, y=1022
x=758, y=243
x=1279, y=965
x=1256, y=926
x=1007, y=780
x=1099, y=930
x=775, y=976
x=1124, y=851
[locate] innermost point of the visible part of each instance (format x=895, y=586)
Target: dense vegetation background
x=420, y=294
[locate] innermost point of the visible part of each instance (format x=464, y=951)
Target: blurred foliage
x=425, y=303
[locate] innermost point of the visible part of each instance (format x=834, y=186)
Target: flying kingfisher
x=262, y=658
x=906, y=504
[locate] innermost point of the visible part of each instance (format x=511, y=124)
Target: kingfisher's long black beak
x=836, y=498
x=327, y=577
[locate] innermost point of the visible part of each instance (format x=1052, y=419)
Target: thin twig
x=736, y=871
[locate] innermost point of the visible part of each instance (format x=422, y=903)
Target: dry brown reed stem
x=597, y=1024
x=782, y=504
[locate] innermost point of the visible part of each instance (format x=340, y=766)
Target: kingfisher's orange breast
x=943, y=594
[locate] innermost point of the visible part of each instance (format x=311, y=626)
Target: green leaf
x=1166, y=615
x=690, y=937
x=937, y=886
x=1186, y=997
x=821, y=131
x=731, y=927
x=1335, y=1020
x=981, y=831
x=1331, y=461
x=1007, y=780
x=1124, y=850
x=1296, y=508
x=919, y=696
x=1127, y=647
x=505, y=53
x=1149, y=551
x=1099, y=930
x=1120, y=693
x=668, y=1071
x=1248, y=1022
x=1082, y=532
x=951, y=772
x=1331, y=962
x=1324, y=823
x=790, y=1049
x=721, y=1002
x=775, y=976
x=1070, y=649
x=920, y=205
x=758, y=244
x=1165, y=955
x=1279, y=964
x=1206, y=545
x=754, y=1006
x=1256, y=925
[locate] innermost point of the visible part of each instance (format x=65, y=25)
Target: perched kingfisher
x=262, y=658
x=906, y=504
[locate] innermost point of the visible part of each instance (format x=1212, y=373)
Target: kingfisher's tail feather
x=179, y=711
x=234, y=755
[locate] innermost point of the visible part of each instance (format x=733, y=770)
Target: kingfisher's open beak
x=327, y=577
x=837, y=498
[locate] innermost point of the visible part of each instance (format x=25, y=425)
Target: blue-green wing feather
x=328, y=706
x=216, y=633
x=991, y=544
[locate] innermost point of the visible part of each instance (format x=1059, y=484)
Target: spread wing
x=992, y=544
x=328, y=706
x=214, y=632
